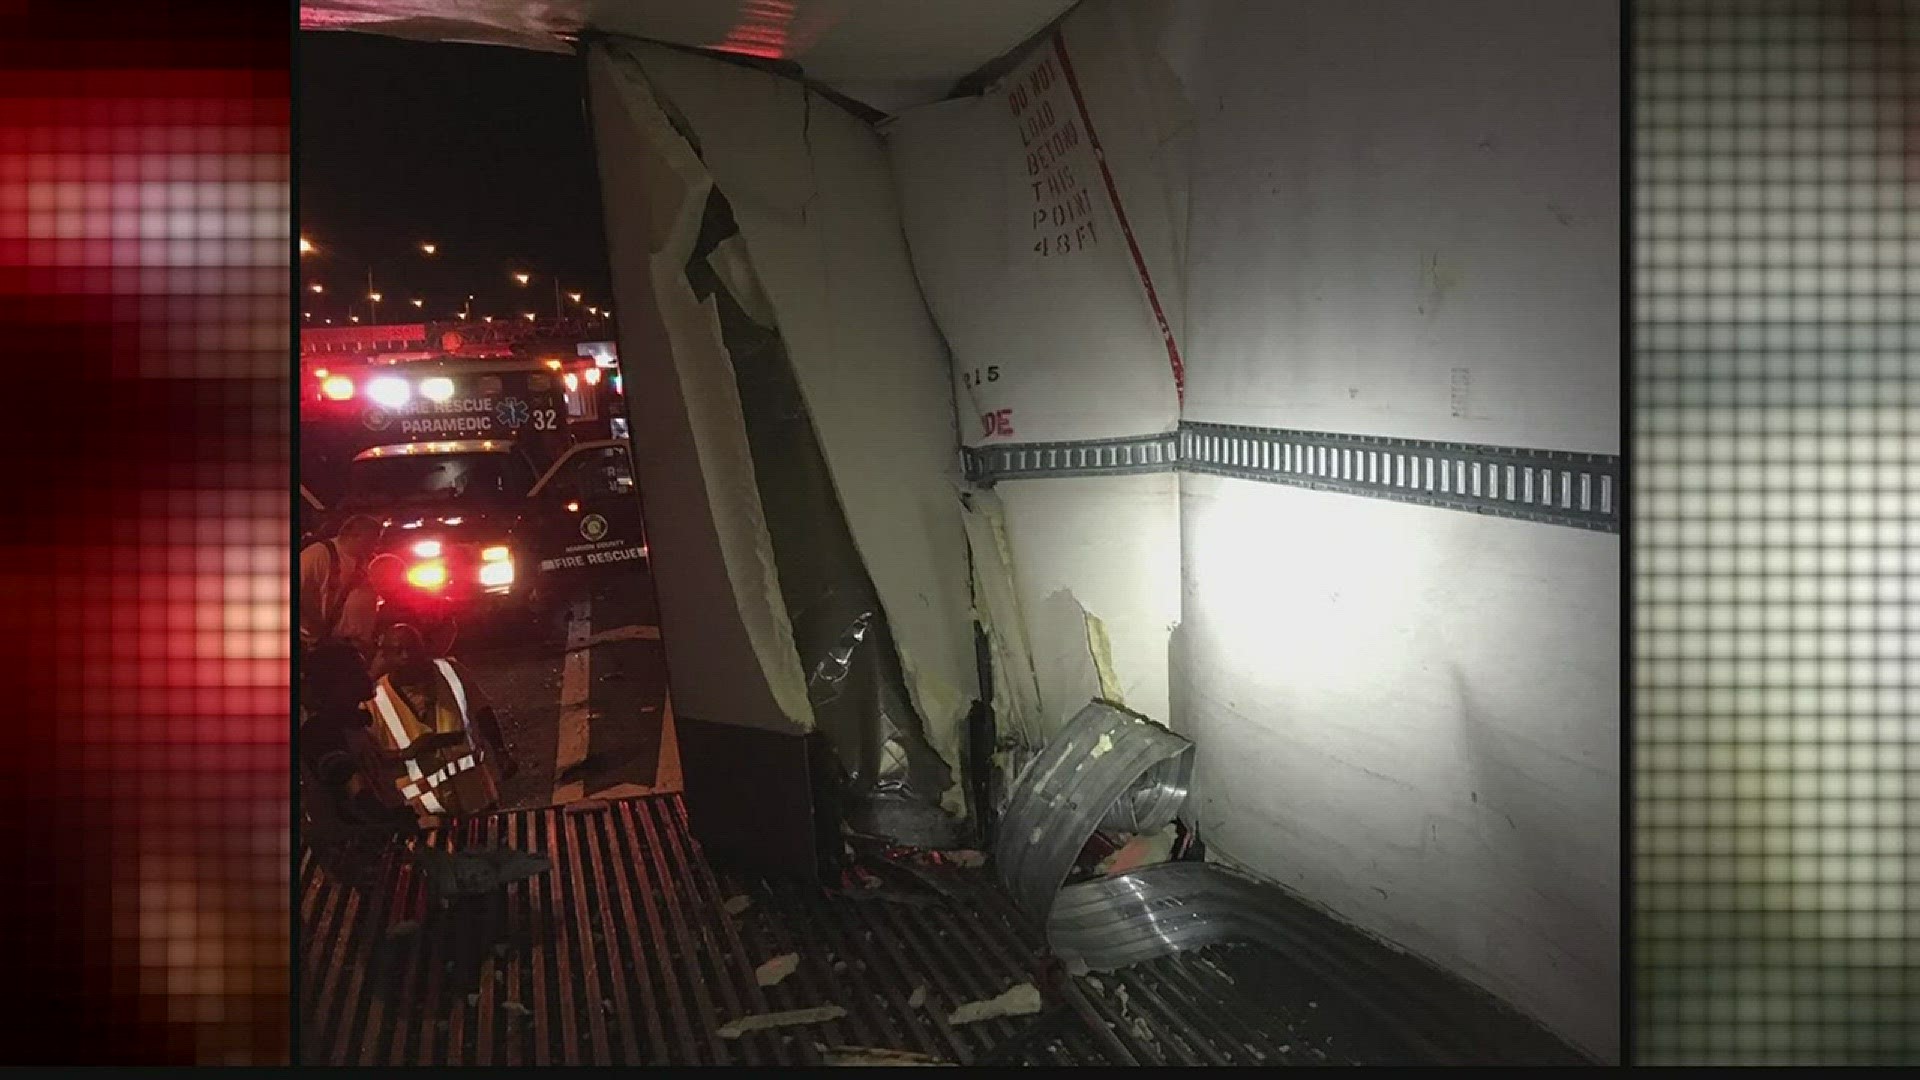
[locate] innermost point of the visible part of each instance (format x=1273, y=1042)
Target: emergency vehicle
x=501, y=479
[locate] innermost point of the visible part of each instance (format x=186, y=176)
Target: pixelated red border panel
x=144, y=300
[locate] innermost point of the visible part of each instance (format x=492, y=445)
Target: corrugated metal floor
x=628, y=953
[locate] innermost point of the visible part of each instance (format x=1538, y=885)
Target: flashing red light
x=337, y=388
x=427, y=575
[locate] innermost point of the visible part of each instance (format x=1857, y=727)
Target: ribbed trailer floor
x=632, y=950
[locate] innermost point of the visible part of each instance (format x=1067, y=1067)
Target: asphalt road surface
x=582, y=695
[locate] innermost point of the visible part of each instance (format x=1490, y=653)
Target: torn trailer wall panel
x=840, y=395
x=730, y=656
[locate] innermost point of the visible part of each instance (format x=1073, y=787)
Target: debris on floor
x=773, y=971
x=1019, y=1000
x=912, y=951
x=819, y=1014
x=618, y=633
x=475, y=872
x=874, y=1055
x=623, y=791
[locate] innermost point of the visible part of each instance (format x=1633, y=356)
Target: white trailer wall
x=1406, y=223
x=1368, y=218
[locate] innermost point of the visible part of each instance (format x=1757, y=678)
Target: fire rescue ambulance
x=502, y=477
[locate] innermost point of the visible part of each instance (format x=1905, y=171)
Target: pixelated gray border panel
x=1554, y=487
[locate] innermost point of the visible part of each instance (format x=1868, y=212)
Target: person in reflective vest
x=343, y=819
x=431, y=722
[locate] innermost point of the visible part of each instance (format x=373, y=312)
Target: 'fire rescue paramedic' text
x=591, y=558
x=450, y=425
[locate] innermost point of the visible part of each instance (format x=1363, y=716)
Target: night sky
x=484, y=151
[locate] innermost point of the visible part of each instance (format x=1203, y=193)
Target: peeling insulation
x=996, y=607
x=819, y=261
x=1100, y=649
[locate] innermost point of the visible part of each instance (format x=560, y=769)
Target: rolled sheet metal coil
x=1107, y=768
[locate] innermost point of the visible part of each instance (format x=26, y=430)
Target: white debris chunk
x=737, y=904
x=733, y=1029
x=776, y=969
x=1017, y=1001
x=875, y=1055
x=917, y=998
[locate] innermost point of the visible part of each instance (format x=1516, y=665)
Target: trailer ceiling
x=889, y=54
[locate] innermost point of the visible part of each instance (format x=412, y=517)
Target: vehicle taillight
x=427, y=575
x=337, y=388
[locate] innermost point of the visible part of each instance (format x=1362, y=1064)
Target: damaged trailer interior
x=1133, y=491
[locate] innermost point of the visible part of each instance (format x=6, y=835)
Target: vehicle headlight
x=496, y=553
x=389, y=391
x=495, y=574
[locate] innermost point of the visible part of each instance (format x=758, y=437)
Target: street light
x=430, y=248
x=574, y=296
x=522, y=278
x=374, y=310
x=419, y=303
x=317, y=287
x=306, y=246
x=529, y=315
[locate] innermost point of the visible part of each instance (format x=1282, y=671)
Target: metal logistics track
x=1553, y=487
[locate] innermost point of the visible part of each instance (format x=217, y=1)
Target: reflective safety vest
x=443, y=782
